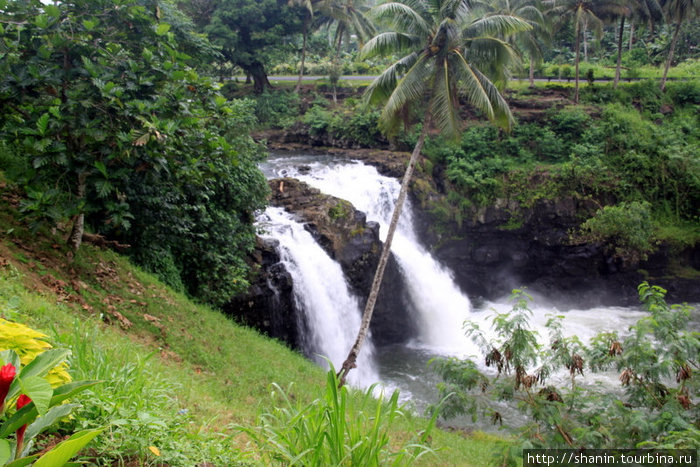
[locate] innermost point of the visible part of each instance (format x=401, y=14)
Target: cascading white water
x=439, y=305
x=321, y=292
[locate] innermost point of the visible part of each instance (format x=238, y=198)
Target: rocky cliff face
x=344, y=233
x=491, y=254
x=268, y=305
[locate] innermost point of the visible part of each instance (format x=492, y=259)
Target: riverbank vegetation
x=654, y=361
x=121, y=128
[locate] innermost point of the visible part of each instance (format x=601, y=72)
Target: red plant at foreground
x=7, y=375
x=21, y=402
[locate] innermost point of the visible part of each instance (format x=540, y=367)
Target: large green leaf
x=28, y=413
x=42, y=124
x=42, y=423
x=5, y=451
x=23, y=461
x=162, y=28
x=64, y=451
x=39, y=391
x=40, y=366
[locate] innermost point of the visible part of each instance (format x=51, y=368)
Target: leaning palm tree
x=678, y=11
x=445, y=53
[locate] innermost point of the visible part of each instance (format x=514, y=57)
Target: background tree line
x=114, y=117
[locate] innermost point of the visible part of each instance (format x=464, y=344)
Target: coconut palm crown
x=445, y=52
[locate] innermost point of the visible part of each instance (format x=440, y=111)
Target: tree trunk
x=619, y=53
x=336, y=65
x=532, y=72
x=578, y=58
x=585, y=42
x=351, y=360
x=670, y=54
x=260, y=81
x=303, y=57
x=631, y=35
x=76, y=236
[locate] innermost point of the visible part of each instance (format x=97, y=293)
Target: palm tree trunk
x=578, y=58
x=619, y=52
x=585, y=42
x=532, y=72
x=351, y=360
x=670, y=54
x=340, y=31
x=631, y=35
x=303, y=57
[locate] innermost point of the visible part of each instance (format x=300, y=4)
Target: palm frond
x=445, y=103
x=401, y=17
x=482, y=93
x=455, y=9
x=387, y=43
x=531, y=13
x=410, y=89
x=497, y=25
x=383, y=85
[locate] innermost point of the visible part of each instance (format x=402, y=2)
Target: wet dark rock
x=268, y=305
x=492, y=253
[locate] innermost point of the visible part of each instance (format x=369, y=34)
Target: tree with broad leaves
x=108, y=125
x=250, y=32
x=446, y=52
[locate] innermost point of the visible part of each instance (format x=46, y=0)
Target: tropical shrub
x=626, y=229
x=276, y=109
x=344, y=126
x=655, y=360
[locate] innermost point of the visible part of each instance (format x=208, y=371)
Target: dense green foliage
x=250, y=33
x=626, y=229
x=106, y=118
x=347, y=127
x=655, y=360
x=631, y=152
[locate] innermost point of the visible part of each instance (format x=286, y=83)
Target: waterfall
x=331, y=313
x=439, y=305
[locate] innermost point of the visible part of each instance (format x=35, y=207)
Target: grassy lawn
x=175, y=376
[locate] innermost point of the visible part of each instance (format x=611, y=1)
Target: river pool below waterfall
x=441, y=307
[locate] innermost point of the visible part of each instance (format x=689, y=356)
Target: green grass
x=181, y=377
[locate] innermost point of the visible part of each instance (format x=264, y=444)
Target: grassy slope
x=129, y=330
